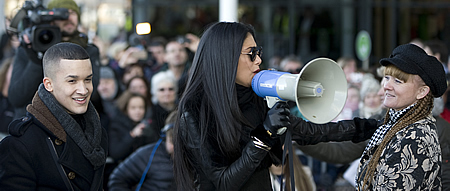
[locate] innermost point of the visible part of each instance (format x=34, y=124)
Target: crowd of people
x=160, y=114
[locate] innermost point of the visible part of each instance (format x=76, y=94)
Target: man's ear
x=423, y=91
x=48, y=84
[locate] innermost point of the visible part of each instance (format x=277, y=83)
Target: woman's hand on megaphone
x=277, y=119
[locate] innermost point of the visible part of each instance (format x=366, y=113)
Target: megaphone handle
x=271, y=101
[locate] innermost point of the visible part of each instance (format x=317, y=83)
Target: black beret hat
x=414, y=60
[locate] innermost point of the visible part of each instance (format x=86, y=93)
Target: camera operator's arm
x=25, y=79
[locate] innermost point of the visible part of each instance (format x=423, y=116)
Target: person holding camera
x=27, y=69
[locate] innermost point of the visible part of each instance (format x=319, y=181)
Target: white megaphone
x=320, y=89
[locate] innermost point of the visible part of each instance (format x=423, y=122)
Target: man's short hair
x=57, y=52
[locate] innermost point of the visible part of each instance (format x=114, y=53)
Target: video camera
x=34, y=21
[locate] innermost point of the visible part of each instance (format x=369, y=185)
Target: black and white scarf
x=379, y=134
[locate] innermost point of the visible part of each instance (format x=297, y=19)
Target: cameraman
x=27, y=69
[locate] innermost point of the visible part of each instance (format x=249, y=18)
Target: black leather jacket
x=215, y=172
x=356, y=130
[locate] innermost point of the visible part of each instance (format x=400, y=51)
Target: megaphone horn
x=319, y=90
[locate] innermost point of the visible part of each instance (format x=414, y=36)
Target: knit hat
x=106, y=73
x=414, y=60
x=68, y=4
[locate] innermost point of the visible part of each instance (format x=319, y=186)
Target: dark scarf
x=49, y=112
x=249, y=103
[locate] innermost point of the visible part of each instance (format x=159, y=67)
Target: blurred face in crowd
x=427, y=49
x=107, y=88
x=69, y=26
x=166, y=93
x=72, y=85
x=292, y=67
x=131, y=72
x=176, y=54
x=136, y=108
x=380, y=92
x=158, y=53
x=349, y=69
x=372, y=100
x=352, y=98
x=246, y=67
x=137, y=85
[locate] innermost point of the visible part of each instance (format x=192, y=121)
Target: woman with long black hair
x=221, y=140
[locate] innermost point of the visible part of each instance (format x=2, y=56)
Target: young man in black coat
x=59, y=144
x=27, y=68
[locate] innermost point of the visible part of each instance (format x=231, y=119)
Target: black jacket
x=159, y=176
x=216, y=171
x=6, y=114
x=158, y=116
x=121, y=144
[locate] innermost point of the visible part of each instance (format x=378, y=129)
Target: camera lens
x=45, y=36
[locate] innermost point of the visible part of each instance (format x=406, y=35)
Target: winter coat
x=214, y=170
x=129, y=172
x=121, y=144
x=410, y=161
x=6, y=114
x=43, y=157
x=158, y=116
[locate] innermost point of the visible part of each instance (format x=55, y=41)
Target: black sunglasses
x=258, y=50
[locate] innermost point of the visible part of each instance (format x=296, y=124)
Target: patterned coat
x=410, y=161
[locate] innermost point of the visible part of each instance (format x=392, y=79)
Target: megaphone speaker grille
x=324, y=108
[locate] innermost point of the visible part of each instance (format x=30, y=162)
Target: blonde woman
x=404, y=152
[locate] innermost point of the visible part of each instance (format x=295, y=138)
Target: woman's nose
x=258, y=60
x=387, y=84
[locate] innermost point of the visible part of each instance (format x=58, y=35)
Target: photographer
x=27, y=69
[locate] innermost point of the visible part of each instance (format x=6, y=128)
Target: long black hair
x=211, y=97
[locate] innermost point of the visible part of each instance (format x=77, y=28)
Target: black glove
x=277, y=119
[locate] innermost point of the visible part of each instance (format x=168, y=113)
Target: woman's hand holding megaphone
x=277, y=119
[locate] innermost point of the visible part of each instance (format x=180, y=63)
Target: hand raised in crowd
x=138, y=130
x=127, y=57
x=193, y=42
